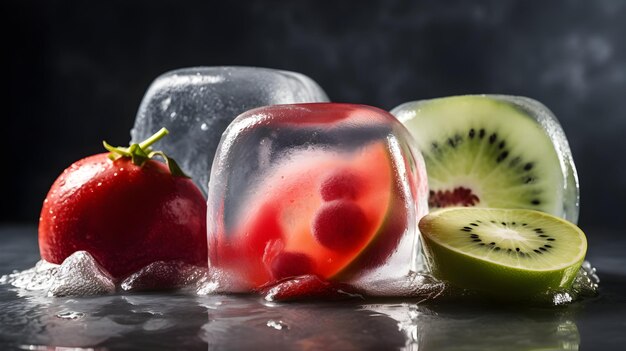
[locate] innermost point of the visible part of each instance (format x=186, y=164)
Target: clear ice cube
x=197, y=104
x=332, y=190
x=559, y=180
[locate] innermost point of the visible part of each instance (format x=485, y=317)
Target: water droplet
x=99, y=183
x=278, y=325
x=173, y=115
x=562, y=298
x=166, y=103
x=204, y=126
x=71, y=315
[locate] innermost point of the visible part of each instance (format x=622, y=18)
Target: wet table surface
x=154, y=321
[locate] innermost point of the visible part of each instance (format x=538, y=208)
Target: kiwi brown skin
x=494, y=280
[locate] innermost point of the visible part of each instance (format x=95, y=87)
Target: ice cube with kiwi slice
x=494, y=151
x=506, y=253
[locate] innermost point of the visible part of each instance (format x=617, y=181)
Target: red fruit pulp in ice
x=324, y=115
x=259, y=243
x=384, y=243
x=291, y=264
x=266, y=217
x=340, y=225
x=332, y=234
x=124, y=215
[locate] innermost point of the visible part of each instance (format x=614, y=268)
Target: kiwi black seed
x=519, y=174
x=533, y=238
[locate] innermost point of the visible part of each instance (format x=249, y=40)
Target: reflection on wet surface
x=237, y=322
x=150, y=321
x=31, y=321
x=454, y=328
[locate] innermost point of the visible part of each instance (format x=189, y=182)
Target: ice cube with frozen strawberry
x=327, y=190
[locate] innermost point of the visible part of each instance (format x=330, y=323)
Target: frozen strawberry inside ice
x=291, y=264
x=340, y=225
x=341, y=184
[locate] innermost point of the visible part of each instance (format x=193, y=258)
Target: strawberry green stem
x=154, y=138
x=142, y=152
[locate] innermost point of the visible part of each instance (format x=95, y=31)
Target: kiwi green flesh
x=491, y=148
x=477, y=248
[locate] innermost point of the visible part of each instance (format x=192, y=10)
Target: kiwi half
x=509, y=253
x=493, y=151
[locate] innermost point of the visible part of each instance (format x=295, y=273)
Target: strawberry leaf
x=175, y=170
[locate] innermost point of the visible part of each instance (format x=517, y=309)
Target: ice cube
x=197, y=104
x=164, y=275
x=495, y=151
x=332, y=190
x=81, y=275
x=36, y=278
x=78, y=275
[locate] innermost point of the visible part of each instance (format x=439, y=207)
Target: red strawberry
x=308, y=287
x=126, y=210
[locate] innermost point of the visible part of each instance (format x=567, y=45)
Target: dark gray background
x=76, y=71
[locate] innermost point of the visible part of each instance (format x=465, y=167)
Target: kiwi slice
x=493, y=151
x=510, y=253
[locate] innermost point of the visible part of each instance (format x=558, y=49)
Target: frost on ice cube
x=494, y=151
x=197, y=104
x=78, y=275
x=164, y=275
x=331, y=190
x=81, y=275
x=36, y=278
